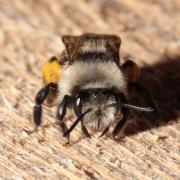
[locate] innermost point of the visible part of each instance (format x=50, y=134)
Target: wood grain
x=30, y=33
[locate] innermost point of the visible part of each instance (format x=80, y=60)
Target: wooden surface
x=29, y=34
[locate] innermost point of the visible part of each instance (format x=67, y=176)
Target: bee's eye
x=78, y=106
x=78, y=101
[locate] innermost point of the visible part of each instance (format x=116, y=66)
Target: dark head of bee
x=101, y=106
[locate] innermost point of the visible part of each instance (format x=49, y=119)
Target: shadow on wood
x=162, y=80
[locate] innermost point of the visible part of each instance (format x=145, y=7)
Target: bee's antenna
x=146, y=109
x=75, y=123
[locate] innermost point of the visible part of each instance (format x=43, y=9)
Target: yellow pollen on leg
x=51, y=71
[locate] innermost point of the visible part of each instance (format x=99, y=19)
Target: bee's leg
x=131, y=70
x=66, y=134
x=125, y=111
x=40, y=98
x=61, y=113
x=121, y=123
x=84, y=130
x=104, y=132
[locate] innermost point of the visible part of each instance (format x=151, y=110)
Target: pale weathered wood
x=29, y=34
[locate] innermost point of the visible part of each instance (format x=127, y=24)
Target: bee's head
x=98, y=108
x=103, y=105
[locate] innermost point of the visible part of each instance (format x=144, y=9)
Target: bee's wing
x=91, y=43
x=71, y=46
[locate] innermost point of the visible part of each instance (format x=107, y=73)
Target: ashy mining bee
x=89, y=79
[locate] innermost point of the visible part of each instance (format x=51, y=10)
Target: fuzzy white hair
x=91, y=75
x=105, y=116
x=93, y=46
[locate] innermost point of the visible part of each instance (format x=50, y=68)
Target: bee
x=89, y=79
